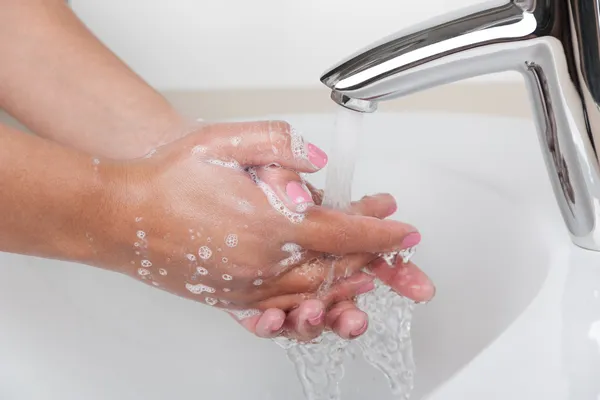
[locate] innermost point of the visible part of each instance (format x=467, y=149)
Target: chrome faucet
x=555, y=44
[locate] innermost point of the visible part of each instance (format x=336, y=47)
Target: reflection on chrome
x=555, y=44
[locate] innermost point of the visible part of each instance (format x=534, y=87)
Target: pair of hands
x=222, y=216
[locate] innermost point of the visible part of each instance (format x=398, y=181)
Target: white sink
x=515, y=315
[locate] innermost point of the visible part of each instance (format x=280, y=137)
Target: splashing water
x=387, y=343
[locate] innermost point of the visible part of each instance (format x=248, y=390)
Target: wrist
x=139, y=138
x=82, y=205
x=111, y=221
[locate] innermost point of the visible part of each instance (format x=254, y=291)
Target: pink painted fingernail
x=316, y=156
x=412, y=239
x=365, y=288
x=316, y=319
x=297, y=193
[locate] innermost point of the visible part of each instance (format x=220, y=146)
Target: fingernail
x=393, y=208
x=316, y=156
x=428, y=291
x=276, y=325
x=360, y=279
x=297, y=193
x=359, y=331
x=272, y=166
x=412, y=239
x=365, y=288
x=316, y=319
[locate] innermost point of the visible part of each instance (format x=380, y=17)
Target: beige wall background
x=491, y=98
x=508, y=99
x=235, y=58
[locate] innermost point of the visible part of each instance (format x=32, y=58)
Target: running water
x=387, y=343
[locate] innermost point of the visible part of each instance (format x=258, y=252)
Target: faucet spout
x=554, y=44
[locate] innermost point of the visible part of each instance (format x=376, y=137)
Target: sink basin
x=516, y=313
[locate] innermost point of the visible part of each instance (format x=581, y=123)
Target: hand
x=197, y=219
x=343, y=317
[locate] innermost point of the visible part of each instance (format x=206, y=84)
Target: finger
x=349, y=265
x=344, y=291
x=335, y=232
x=379, y=206
x=266, y=142
x=288, y=186
x=267, y=324
x=270, y=323
x=346, y=320
x=319, y=274
x=306, y=322
x=405, y=279
x=346, y=288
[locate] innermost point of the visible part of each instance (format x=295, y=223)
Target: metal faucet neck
x=554, y=44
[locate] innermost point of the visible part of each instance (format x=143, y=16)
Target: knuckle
x=341, y=238
x=282, y=136
x=282, y=127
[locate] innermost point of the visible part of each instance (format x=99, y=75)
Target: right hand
x=342, y=315
x=192, y=220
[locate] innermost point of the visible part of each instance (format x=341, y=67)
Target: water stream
x=387, y=343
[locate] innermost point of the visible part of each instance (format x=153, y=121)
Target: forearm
x=65, y=85
x=51, y=198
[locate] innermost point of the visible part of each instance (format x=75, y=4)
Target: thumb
x=266, y=142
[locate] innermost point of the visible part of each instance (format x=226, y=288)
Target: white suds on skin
x=405, y=254
x=210, y=301
x=231, y=240
x=150, y=153
x=243, y=314
x=295, y=254
x=199, y=150
x=275, y=202
x=205, y=252
x=298, y=146
x=199, y=288
x=227, y=164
